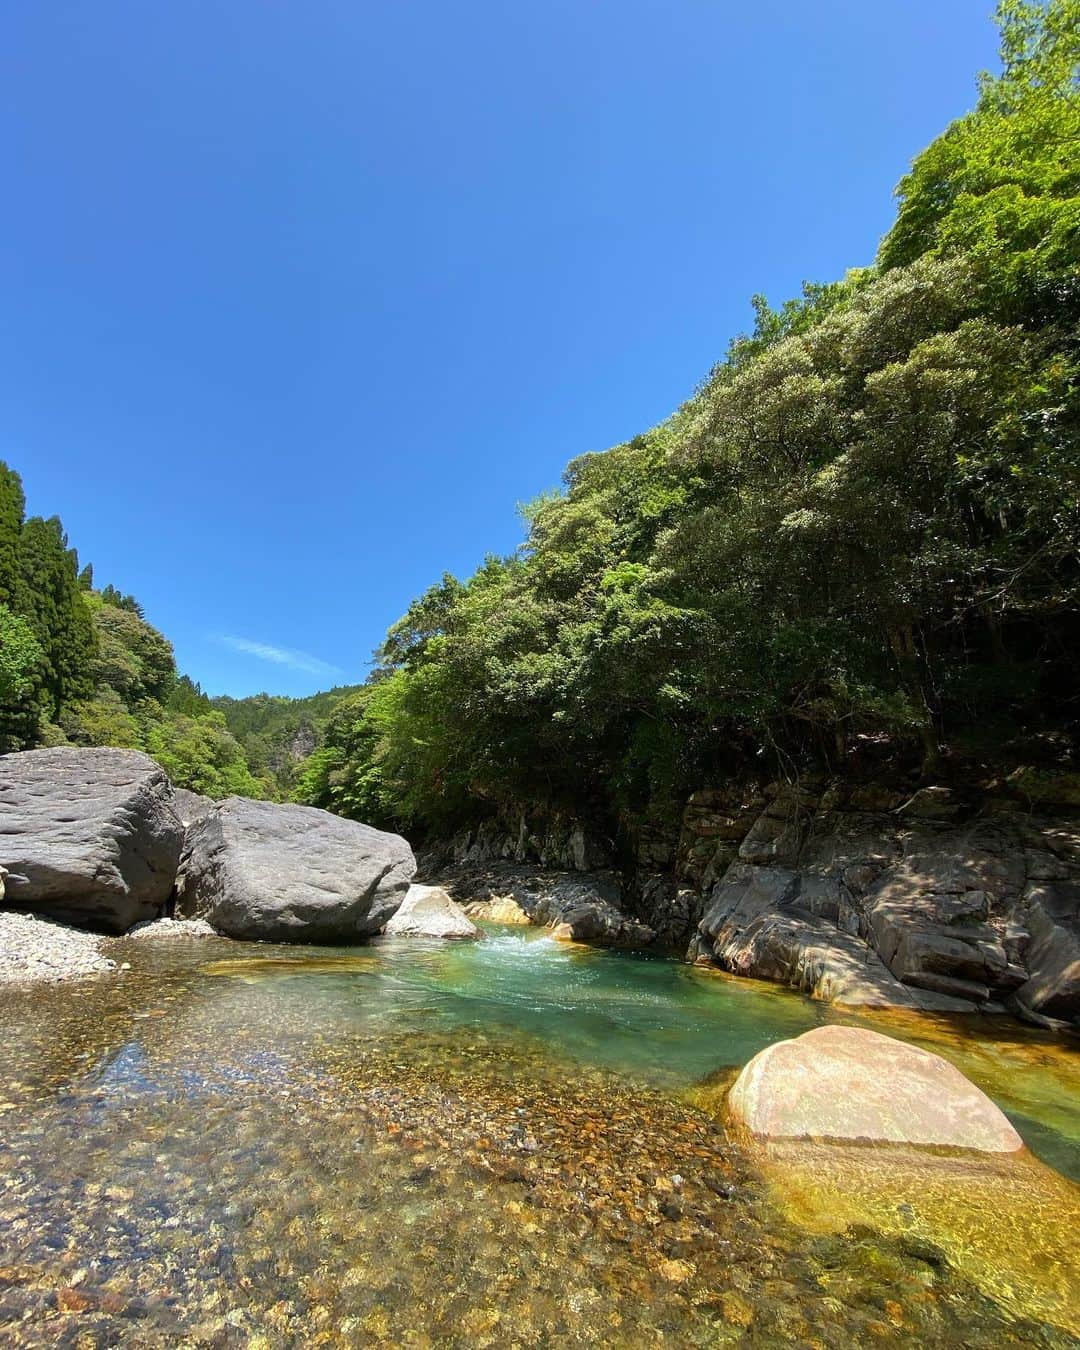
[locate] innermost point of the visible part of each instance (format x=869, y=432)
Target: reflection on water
x=491, y=1143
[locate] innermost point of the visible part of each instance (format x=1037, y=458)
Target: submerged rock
x=88, y=835
x=259, y=870
x=427, y=911
x=848, y=1083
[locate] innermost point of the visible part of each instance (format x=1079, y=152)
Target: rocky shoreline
x=869, y=894
x=857, y=893
x=97, y=845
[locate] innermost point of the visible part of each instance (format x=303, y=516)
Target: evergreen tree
x=12, y=510
x=57, y=609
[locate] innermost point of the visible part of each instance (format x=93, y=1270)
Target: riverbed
x=509, y=1142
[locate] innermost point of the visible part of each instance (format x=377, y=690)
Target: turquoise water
x=639, y=1014
x=503, y=1142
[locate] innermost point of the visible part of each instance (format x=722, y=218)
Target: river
x=508, y=1142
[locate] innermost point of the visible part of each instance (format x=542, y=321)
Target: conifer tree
x=57, y=609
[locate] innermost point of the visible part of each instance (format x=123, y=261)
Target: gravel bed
x=34, y=948
x=173, y=928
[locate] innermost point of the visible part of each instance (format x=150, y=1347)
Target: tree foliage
x=865, y=523
x=84, y=667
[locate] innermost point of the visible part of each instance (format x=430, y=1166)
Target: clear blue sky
x=300, y=299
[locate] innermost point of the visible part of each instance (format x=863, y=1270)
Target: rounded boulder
x=847, y=1083
x=428, y=911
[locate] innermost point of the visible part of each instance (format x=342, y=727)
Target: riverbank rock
x=88, y=835
x=283, y=873
x=427, y=911
x=577, y=906
x=932, y=902
x=499, y=909
x=847, y=1083
x=36, y=949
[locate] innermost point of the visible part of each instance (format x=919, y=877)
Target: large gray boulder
x=88, y=835
x=276, y=873
x=848, y=1083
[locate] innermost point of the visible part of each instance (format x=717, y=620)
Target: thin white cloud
x=280, y=656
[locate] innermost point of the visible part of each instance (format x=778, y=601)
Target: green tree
x=12, y=510
x=200, y=754
x=57, y=609
x=21, y=664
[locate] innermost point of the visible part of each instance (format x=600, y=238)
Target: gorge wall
x=935, y=897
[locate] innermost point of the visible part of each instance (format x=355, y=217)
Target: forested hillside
x=278, y=733
x=82, y=666
x=858, y=537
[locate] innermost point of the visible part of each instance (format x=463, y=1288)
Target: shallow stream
x=508, y=1142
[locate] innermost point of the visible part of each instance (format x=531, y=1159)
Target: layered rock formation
x=860, y=895
x=858, y=892
x=546, y=839
x=88, y=836
x=259, y=870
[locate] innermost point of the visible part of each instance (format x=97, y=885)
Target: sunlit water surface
x=507, y=1142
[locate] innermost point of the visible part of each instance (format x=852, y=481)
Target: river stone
x=427, y=911
x=88, y=835
x=847, y=1083
x=284, y=873
x=499, y=909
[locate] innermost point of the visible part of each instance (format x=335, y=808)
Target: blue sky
x=300, y=300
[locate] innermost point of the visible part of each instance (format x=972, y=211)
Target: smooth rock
x=88, y=835
x=427, y=911
x=284, y=873
x=840, y=1082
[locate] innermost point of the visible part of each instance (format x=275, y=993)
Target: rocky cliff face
x=860, y=893
x=549, y=839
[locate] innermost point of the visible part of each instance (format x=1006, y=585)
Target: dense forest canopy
x=863, y=526
x=861, y=531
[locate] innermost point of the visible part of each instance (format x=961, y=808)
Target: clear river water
x=507, y=1142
